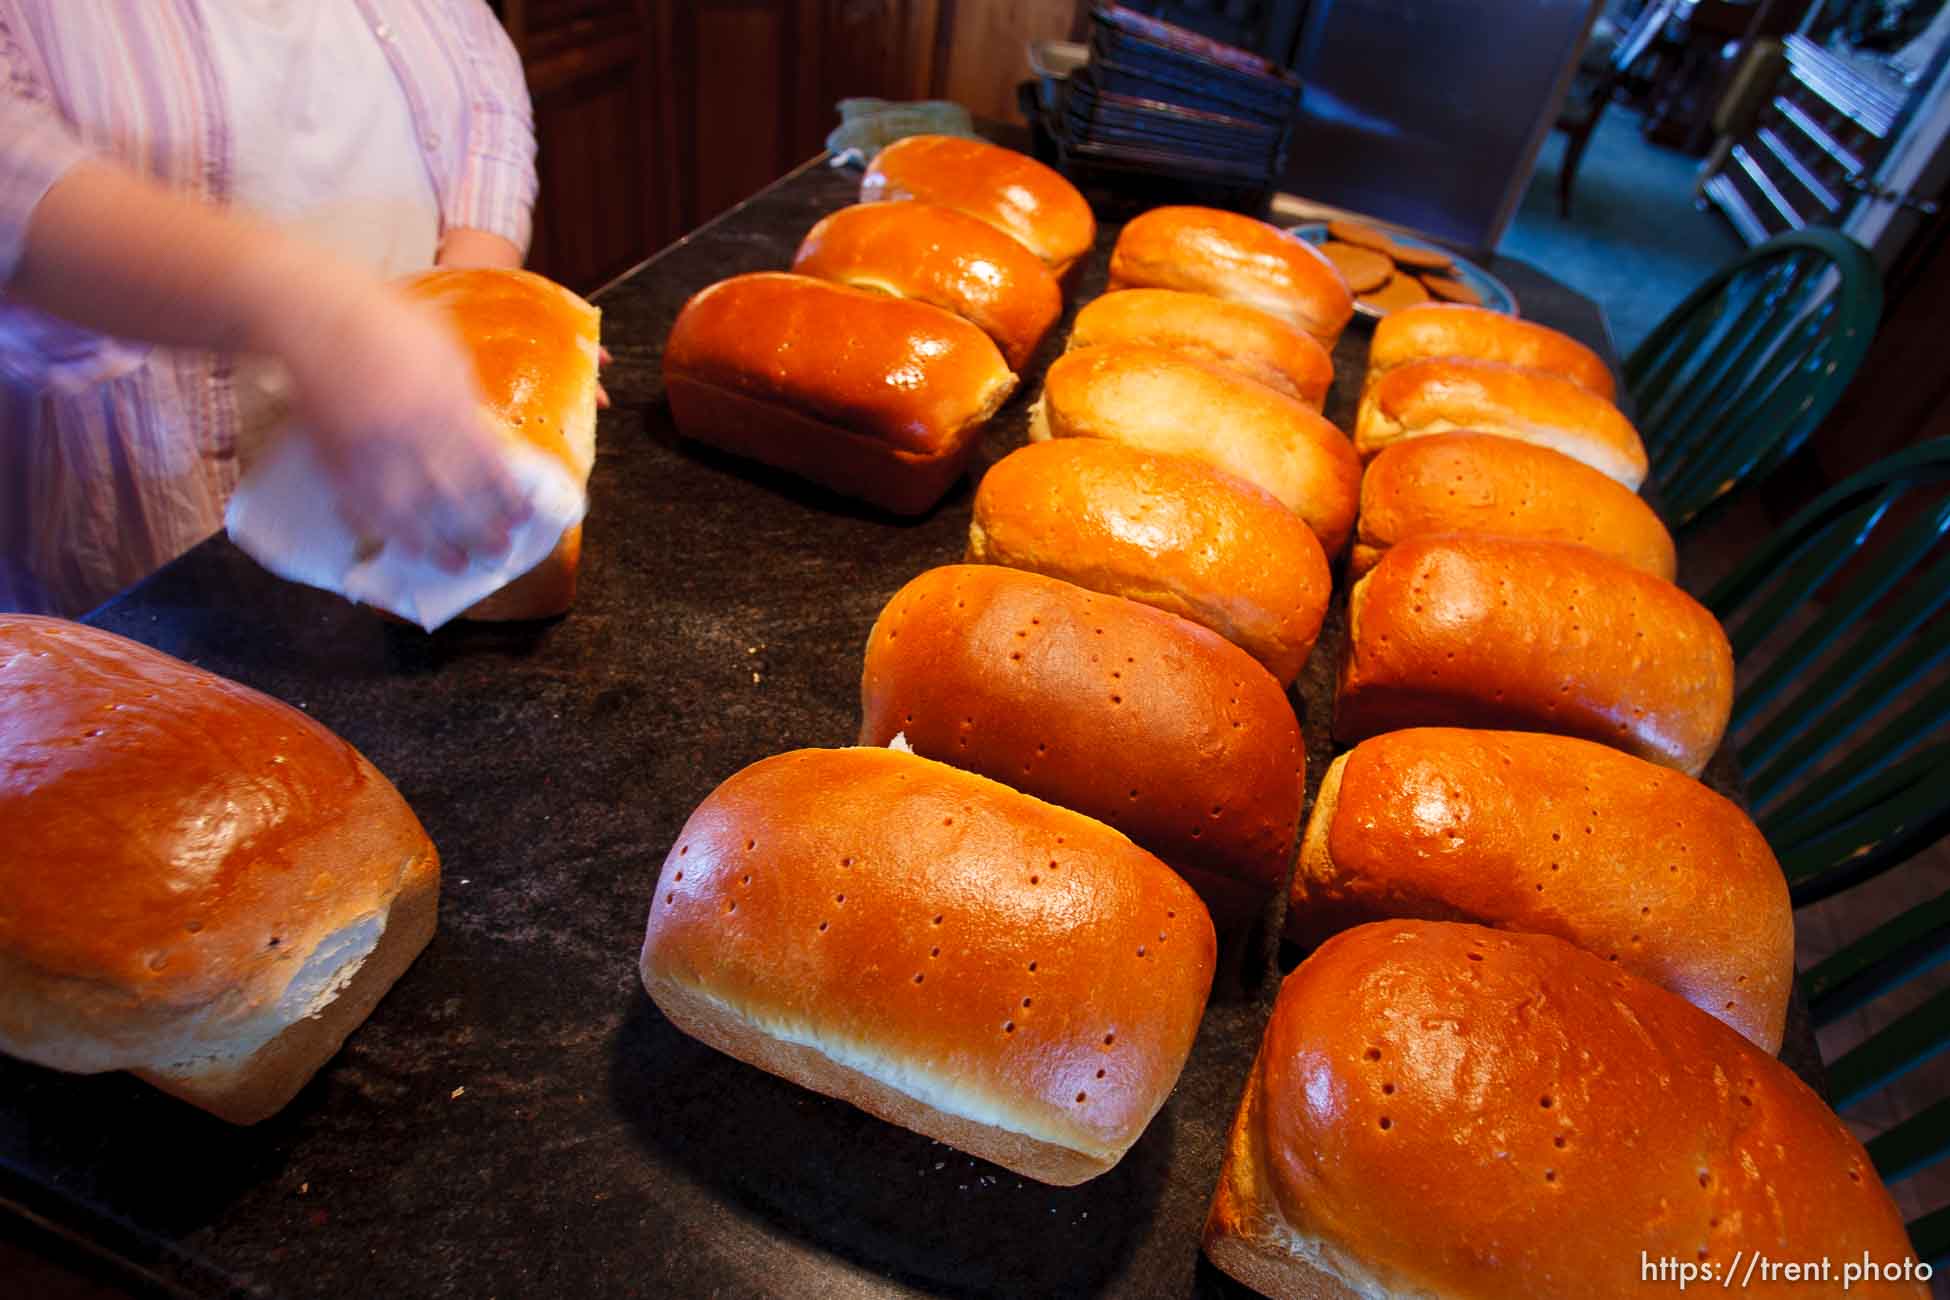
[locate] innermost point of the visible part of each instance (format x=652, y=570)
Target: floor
x=1636, y=244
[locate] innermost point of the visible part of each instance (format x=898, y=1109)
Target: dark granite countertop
x=516, y=1119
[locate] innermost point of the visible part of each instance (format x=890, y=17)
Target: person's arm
x=494, y=192
x=462, y=248
x=380, y=381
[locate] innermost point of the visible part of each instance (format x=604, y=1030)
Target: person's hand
x=391, y=401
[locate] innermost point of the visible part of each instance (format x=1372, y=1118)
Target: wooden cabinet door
x=756, y=83
x=603, y=134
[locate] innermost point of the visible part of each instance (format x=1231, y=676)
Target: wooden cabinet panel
x=653, y=116
x=601, y=136
x=983, y=48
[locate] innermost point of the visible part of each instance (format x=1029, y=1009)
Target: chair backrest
x=1737, y=376
x=1842, y=737
x=1848, y=715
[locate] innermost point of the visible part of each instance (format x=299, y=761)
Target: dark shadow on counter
x=886, y=1199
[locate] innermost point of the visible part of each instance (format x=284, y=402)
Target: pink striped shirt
x=115, y=458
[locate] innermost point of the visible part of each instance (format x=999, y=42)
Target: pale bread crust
x=262, y=1084
x=1458, y=394
x=1128, y=714
x=534, y=345
x=1461, y=330
x=715, y=1025
x=1484, y=483
x=942, y=257
x=1230, y=256
x=1414, y=1073
x=1255, y=343
x=1162, y=402
x=1026, y=200
x=181, y=954
x=942, y=950
x=1166, y=531
x=1246, y=1233
x=1550, y=835
x=1475, y=630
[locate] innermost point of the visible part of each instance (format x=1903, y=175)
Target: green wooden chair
x=1738, y=375
x=1844, y=744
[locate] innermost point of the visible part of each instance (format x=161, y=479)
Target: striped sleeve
x=36, y=146
x=496, y=189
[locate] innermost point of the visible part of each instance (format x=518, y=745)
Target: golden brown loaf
x=200, y=884
x=875, y=397
x=1162, y=402
x=1483, y=483
x=1125, y=713
x=1206, y=250
x=1011, y=191
x=1470, y=630
x=954, y=957
x=534, y=345
x=1255, y=343
x=1551, y=835
x=1456, y=330
x=940, y=256
x=1167, y=531
x=1455, y=1113
x=1447, y=394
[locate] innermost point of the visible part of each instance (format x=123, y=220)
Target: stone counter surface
x=516, y=1119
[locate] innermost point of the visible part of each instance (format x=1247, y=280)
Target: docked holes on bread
x=1448, y=1110
x=1010, y=978
x=943, y=257
x=1166, y=531
x=1162, y=402
x=877, y=398
x=1011, y=191
x=1207, y=250
x=1125, y=713
x=1484, y=483
x=1254, y=343
x=200, y=884
x=1550, y=835
x=1456, y=330
x=1453, y=394
x=534, y=345
x=1472, y=630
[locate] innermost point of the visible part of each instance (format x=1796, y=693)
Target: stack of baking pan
x=1155, y=98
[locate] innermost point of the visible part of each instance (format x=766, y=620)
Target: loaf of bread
x=200, y=884
x=1472, y=630
x=1226, y=255
x=1552, y=835
x=1484, y=483
x=1454, y=393
x=1162, y=402
x=1255, y=343
x=1011, y=191
x=1167, y=531
x=1125, y=713
x=1456, y=330
x=875, y=397
x=940, y=256
x=1458, y=1113
x=534, y=345
x=1015, y=980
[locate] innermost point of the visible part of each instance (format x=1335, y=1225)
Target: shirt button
x=433, y=139
x=383, y=32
